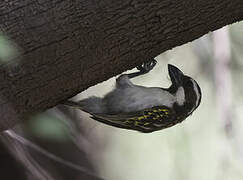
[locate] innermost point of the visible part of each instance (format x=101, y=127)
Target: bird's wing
x=147, y=120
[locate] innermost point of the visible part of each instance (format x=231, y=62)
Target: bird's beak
x=176, y=75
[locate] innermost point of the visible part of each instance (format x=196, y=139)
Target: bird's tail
x=93, y=105
x=72, y=104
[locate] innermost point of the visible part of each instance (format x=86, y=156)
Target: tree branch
x=68, y=46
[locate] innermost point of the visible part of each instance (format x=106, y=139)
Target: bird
x=144, y=109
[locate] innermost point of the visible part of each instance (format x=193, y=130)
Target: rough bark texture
x=70, y=45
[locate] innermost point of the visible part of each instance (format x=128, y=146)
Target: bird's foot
x=147, y=66
x=143, y=68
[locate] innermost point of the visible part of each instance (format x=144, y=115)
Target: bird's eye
x=188, y=83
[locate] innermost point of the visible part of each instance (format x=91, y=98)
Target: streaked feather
x=147, y=120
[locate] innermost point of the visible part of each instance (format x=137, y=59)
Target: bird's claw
x=147, y=66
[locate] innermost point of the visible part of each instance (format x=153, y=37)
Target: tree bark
x=70, y=45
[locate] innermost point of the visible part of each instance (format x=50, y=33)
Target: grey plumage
x=126, y=97
x=92, y=104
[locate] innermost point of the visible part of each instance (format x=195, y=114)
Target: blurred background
x=207, y=145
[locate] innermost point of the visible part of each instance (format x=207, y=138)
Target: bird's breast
x=138, y=98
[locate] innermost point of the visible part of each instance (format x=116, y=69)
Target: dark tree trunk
x=70, y=45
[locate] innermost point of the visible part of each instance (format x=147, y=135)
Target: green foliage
x=8, y=50
x=48, y=127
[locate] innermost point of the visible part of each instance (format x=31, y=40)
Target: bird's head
x=185, y=89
